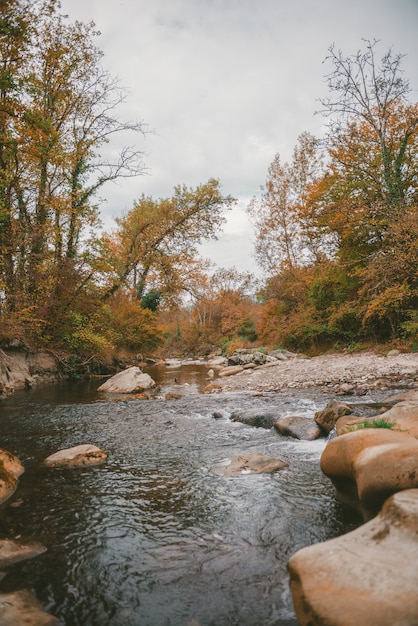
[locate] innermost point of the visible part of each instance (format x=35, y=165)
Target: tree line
x=336, y=229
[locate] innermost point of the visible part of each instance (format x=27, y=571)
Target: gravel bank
x=340, y=373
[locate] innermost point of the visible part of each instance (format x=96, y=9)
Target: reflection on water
x=182, y=379
x=154, y=538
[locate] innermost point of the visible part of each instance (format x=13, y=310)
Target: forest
x=336, y=228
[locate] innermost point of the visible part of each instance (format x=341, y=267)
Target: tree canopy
x=347, y=242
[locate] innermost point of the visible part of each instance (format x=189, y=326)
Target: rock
x=219, y=415
x=393, y=353
x=10, y=469
x=250, y=357
x=22, y=368
x=131, y=380
x=367, y=466
x=412, y=394
x=261, y=418
x=213, y=387
x=405, y=414
x=11, y=463
x=12, y=552
x=298, y=427
x=8, y=484
x=230, y=370
x=217, y=362
x=253, y=463
x=369, y=409
x=80, y=456
x=327, y=418
x=21, y=608
x=346, y=389
x=282, y=355
x=172, y=396
x=368, y=577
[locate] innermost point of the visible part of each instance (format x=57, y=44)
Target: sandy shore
x=340, y=373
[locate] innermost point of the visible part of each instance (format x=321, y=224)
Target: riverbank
x=339, y=373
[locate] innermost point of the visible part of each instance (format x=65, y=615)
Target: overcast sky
x=227, y=84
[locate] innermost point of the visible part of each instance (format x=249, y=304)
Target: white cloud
x=227, y=84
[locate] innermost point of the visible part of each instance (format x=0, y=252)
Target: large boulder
x=131, y=380
x=368, y=577
x=368, y=465
x=80, y=456
x=252, y=463
x=405, y=415
x=402, y=416
x=298, y=427
x=11, y=463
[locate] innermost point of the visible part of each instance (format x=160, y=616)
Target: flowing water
x=154, y=538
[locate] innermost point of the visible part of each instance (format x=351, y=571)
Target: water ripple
x=154, y=538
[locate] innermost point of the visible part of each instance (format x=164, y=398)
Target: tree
x=356, y=215
x=157, y=240
x=370, y=199
x=372, y=97
x=58, y=111
x=279, y=215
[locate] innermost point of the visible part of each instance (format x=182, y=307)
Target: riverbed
x=154, y=537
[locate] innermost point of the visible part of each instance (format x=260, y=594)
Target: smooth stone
x=252, y=463
x=298, y=427
x=85, y=455
x=131, y=380
x=367, y=577
x=368, y=465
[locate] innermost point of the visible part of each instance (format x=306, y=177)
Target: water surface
x=154, y=538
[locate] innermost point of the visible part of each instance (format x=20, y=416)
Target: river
x=154, y=538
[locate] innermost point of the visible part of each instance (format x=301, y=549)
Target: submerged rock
x=80, y=456
x=252, y=463
x=12, y=552
x=21, y=608
x=261, y=418
x=131, y=380
x=368, y=577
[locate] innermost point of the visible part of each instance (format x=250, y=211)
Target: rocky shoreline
x=369, y=576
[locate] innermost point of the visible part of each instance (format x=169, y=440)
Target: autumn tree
x=356, y=219
x=279, y=215
x=155, y=243
x=370, y=199
x=58, y=111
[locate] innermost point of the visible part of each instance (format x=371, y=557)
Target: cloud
x=226, y=84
